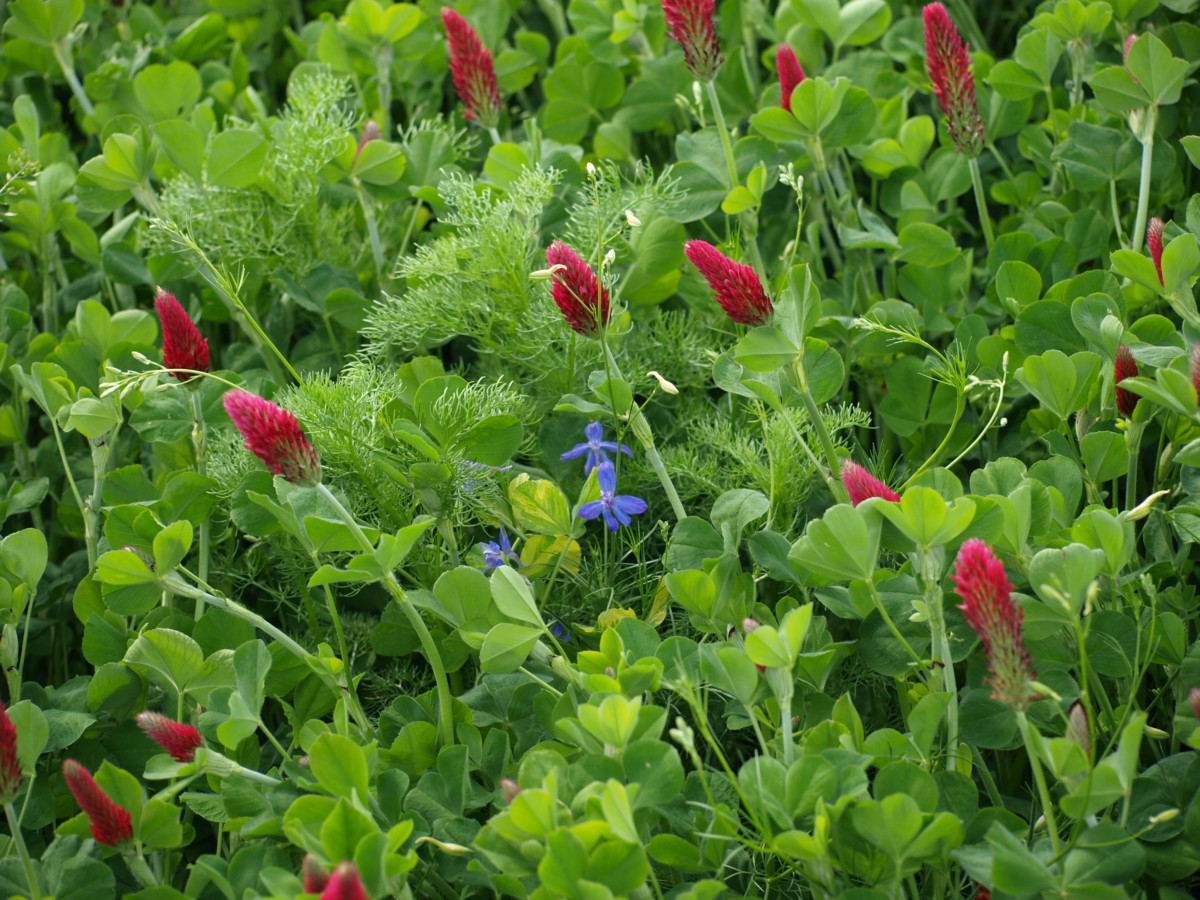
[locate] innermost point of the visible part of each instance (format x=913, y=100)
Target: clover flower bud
x=111, y=824
x=949, y=67
x=473, y=70
x=314, y=874
x=1154, y=243
x=735, y=286
x=862, y=485
x=1125, y=367
x=275, y=436
x=578, y=293
x=690, y=22
x=10, y=762
x=179, y=740
x=791, y=73
x=184, y=347
x=345, y=884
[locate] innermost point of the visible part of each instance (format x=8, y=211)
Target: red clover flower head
x=314, y=874
x=949, y=67
x=10, y=763
x=274, y=436
x=111, y=824
x=345, y=884
x=736, y=286
x=1125, y=367
x=1194, y=362
x=1154, y=234
x=862, y=485
x=577, y=290
x=473, y=70
x=184, y=347
x=690, y=22
x=179, y=740
x=791, y=73
x=980, y=580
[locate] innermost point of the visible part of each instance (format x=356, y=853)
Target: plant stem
x=62, y=53
x=199, y=445
x=800, y=378
x=981, y=201
x=878, y=601
x=1133, y=443
x=929, y=565
x=1116, y=212
x=960, y=404
x=1146, y=135
x=748, y=219
x=664, y=478
x=18, y=839
x=140, y=869
x=372, y=230
x=1039, y=778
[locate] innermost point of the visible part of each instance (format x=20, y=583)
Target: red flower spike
x=370, y=133
x=736, y=286
x=473, y=71
x=1194, y=361
x=1125, y=367
x=949, y=67
x=980, y=580
x=10, y=763
x=791, y=73
x=862, y=485
x=184, y=347
x=690, y=22
x=1154, y=231
x=577, y=290
x=314, y=874
x=345, y=884
x=177, y=739
x=274, y=436
x=111, y=824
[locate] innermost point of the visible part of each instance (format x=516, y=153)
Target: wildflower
x=179, y=740
x=10, y=763
x=370, y=133
x=345, y=884
x=1194, y=360
x=111, y=824
x=274, y=436
x=616, y=508
x=184, y=347
x=791, y=73
x=862, y=485
x=314, y=874
x=690, y=22
x=473, y=71
x=736, y=286
x=497, y=554
x=1078, y=731
x=577, y=290
x=631, y=220
x=596, y=448
x=949, y=68
x=980, y=580
x=560, y=631
x=1154, y=231
x=1125, y=367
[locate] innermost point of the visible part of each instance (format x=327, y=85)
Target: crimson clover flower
x=10, y=763
x=736, y=286
x=111, y=824
x=576, y=289
x=497, y=553
x=370, y=133
x=861, y=484
x=178, y=739
x=1078, y=732
x=949, y=67
x=616, y=508
x=1193, y=699
x=473, y=70
x=690, y=22
x=1154, y=235
x=791, y=73
x=345, y=884
x=596, y=448
x=274, y=436
x=314, y=874
x=1125, y=367
x=1194, y=365
x=981, y=581
x=184, y=347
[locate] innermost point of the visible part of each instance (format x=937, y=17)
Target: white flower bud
x=666, y=386
x=634, y=221
x=610, y=257
x=591, y=170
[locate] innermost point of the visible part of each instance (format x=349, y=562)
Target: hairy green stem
x=18, y=839
x=372, y=230
x=749, y=220
x=800, y=379
x=981, y=201
x=1145, y=134
x=929, y=567
x=62, y=54
x=1039, y=778
x=199, y=446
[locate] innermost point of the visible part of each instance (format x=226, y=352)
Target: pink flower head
x=862, y=485
x=370, y=133
x=10, y=763
x=345, y=884
x=1194, y=361
x=1193, y=698
x=1125, y=367
x=791, y=73
x=980, y=580
x=184, y=347
x=690, y=22
x=577, y=290
x=274, y=436
x=314, y=874
x=736, y=286
x=949, y=68
x=473, y=71
x=1154, y=231
x=111, y=824
x=179, y=740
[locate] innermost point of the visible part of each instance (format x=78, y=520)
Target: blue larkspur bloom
x=616, y=508
x=497, y=553
x=596, y=448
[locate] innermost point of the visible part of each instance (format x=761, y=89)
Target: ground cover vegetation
x=599, y=449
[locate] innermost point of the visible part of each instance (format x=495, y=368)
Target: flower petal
x=606, y=477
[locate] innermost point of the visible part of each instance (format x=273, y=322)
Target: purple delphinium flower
x=596, y=448
x=560, y=631
x=497, y=553
x=616, y=508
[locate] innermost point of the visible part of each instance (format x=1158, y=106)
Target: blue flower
x=497, y=554
x=616, y=508
x=559, y=630
x=595, y=447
